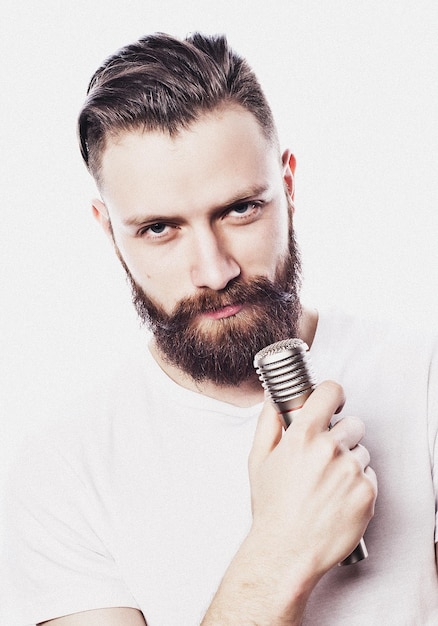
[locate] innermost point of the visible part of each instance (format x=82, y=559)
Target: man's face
x=202, y=225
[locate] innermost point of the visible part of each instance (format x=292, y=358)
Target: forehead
x=223, y=151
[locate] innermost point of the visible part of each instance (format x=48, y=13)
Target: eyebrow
x=239, y=198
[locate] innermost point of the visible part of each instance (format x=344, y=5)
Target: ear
x=289, y=163
x=100, y=213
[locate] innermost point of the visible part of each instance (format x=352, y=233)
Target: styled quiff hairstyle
x=161, y=83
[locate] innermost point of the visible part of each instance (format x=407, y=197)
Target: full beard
x=222, y=350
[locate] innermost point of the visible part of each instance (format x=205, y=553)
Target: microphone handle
x=359, y=553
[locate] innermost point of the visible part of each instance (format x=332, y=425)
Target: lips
x=223, y=312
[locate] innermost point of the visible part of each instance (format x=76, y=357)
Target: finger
x=371, y=474
x=362, y=455
x=321, y=405
x=267, y=435
x=348, y=431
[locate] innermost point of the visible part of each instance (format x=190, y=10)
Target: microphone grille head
x=271, y=352
x=285, y=371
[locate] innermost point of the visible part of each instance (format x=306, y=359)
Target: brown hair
x=163, y=83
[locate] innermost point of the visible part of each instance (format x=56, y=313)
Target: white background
x=354, y=86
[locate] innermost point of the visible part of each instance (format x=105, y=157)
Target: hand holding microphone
x=286, y=373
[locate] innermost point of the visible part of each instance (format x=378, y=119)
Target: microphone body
x=286, y=373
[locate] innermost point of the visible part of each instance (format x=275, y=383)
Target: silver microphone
x=286, y=373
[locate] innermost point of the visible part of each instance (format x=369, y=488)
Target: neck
x=246, y=394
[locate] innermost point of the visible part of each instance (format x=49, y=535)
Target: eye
x=157, y=230
x=245, y=211
x=241, y=209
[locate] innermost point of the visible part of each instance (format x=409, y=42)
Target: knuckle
x=368, y=499
x=367, y=490
x=334, y=393
x=357, y=424
x=332, y=387
x=350, y=429
x=372, y=482
x=331, y=448
x=366, y=457
x=356, y=469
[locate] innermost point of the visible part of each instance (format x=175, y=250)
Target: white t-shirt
x=141, y=497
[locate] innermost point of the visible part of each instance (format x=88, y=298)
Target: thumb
x=267, y=435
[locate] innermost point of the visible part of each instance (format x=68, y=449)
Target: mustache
x=256, y=292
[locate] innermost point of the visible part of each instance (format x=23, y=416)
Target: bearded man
x=140, y=509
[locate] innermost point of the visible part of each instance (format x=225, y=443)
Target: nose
x=213, y=265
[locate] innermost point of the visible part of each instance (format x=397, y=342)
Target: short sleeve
x=56, y=557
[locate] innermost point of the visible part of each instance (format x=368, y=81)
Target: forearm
x=260, y=589
x=302, y=525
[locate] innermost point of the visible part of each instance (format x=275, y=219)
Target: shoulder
x=78, y=435
x=348, y=334
x=379, y=359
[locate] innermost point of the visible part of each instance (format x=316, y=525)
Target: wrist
x=287, y=576
x=262, y=586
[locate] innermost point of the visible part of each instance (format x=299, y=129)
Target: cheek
x=141, y=263
x=271, y=248
x=134, y=259
x=161, y=276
